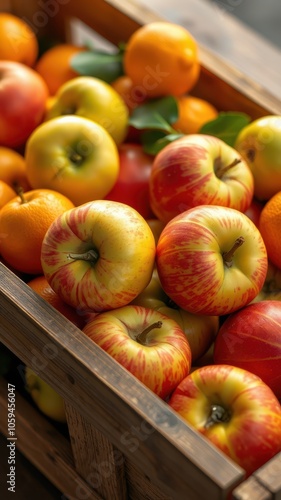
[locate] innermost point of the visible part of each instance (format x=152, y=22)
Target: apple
x=74, y=156
x=198, y=169
x=271, y=289
x=92, y=98
x=211, y=260
x=254, y=211
x=23, y=97
x=44, y=396
x=235, y=410
x=259, y=143
x=131, y=186
x=147, y=343
x=99, y=255
x=200, y=330
x=251, y=339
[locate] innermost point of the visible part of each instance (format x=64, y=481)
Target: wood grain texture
x=251, y=489
x=162, y=453
x=30, y=483
x=44, y=446
x=95, y=458
x=270, y=476
x=135, y=421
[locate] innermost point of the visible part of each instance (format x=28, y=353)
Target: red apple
x=147, y=343
x=251, y=339
x=200, y=330
x=23, y=97
x=211, y=260
x=235, y=410
x=131, y=186
x=199, y=169
x=254, y=211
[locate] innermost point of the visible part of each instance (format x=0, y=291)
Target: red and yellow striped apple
x=147, y=343
x=235, y=410
x=211, y=260
x=99, y=255
x=198, y=169
x=251, y=339
x=200, y=330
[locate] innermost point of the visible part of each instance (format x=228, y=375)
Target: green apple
x=44, y=396
x=259, y=143
x=95, y=99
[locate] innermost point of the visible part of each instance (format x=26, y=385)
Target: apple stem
x=221, y=171
x=227, y=256
x=20, y=193
x=90, y=256
x=141, y=337
x=217, y=415
x=76, y=158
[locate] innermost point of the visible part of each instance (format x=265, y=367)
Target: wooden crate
x=124, y=442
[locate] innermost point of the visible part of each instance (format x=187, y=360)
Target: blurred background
x=264, y=17
x=245, y=33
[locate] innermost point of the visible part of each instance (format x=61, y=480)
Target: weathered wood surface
x=157, y=446
x=46, y=448
x=175, y=457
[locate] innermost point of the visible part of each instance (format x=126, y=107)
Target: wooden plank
x=95, y=458
x=138, y=423
x=140, y=486
x=47, y=449
x=30, y=483
x=251, y=489
x=269, y=476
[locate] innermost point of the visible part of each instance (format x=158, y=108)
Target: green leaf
x=99, y=64
x=226, y=126
x=157, y=114
x=155, y=140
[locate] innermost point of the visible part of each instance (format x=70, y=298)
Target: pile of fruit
x=151, y=220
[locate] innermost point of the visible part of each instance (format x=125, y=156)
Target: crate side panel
x=110, y=398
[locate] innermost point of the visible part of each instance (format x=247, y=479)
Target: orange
x=6, y=193
x=133, y=96
x=162, y=59
x=193, y=113
x=12, y=169
x=54, y=65
x=23, y=224
x=269, y=226
x=41, y=286
x=18, y=41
